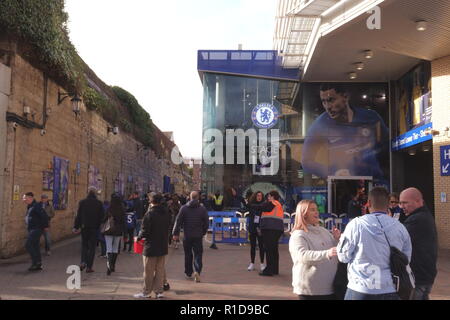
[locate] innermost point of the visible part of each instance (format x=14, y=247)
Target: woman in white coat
x=313, y=252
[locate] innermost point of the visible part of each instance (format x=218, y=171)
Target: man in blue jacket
x=37, y=223
x=364, y=246
x=422, y=229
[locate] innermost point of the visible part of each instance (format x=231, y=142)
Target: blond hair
x=300, y=214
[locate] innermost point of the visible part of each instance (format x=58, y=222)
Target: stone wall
x=83, y=140
x=440, y=85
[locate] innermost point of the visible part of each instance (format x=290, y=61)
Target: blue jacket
x=364, y=247
x=36, y=217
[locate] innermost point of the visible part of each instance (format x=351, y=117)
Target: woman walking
x=254, y=232
x=116, y=214
x=313, y=252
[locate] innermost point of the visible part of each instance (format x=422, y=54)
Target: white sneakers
x=251, y=267
x=159, y=295
x=196, y=277
x=141, y=295
x=263, y=266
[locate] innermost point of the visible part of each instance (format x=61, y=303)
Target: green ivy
x=126, y=125
x=43, y=24
x=142, y=123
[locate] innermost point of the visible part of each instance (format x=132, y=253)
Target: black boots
x=111, y=263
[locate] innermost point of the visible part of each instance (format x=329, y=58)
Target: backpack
x=402, y=274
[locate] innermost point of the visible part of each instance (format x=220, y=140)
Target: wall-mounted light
x=359, y=66
x=76, y=100
x=368, y=54
x=26, y=110
x=352, y=75
x=421, y=25
x=114, y=130
x=426, y=148
x=412, y=152
x=364, y=96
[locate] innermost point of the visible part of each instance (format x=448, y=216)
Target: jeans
x=354, y=295
x=270, y=239
x=193, y=250
x=112, y=244
x=130, y=240
x=138, y=227
x=88, y=245
x=422, y=292
x=48, y=240
x=33, y=246
x=254, y=237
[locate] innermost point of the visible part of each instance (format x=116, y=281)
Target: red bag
x=139, y=246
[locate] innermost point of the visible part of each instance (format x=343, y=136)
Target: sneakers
x=188, y=277
x=166, y=287
x=196, y=277
x=36, y=267
x=251, y=267
x=263, y=266
x=89, y=270
x=141, y=295
x=159, y=295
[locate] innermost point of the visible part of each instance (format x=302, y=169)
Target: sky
x=149, y=48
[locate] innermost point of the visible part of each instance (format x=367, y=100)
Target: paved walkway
x=224, y=277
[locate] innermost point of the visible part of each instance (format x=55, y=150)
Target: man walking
x=50, y=214
x=364, y=245
x=37, y=223
x=194, y=220
x=422, y=229
x=154, y=231
x=89, y=217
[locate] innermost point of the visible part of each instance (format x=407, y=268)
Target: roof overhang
x=341, y=36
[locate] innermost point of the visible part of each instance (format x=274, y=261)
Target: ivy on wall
x=43, y=24
x=143, y=125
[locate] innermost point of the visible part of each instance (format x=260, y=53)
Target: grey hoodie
x=194, y=220
x=365, y=248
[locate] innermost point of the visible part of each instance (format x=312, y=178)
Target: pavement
x=224, y=277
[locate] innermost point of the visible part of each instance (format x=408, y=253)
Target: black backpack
x=402, y=274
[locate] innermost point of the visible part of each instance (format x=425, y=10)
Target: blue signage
x=412, y=137
x=265, y=115
x=445, y=160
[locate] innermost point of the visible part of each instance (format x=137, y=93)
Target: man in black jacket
x=37, y=223
x=422, y=230
x=194, y=220
x=154, y=231
x=89, y=217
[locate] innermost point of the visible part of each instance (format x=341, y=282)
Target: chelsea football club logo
x=265, y=115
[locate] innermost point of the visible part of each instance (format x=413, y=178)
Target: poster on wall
x=347, y=133
x=119, y=186
x=47, y=180
x=60, y=183
x=95, y=178
x=414, y=106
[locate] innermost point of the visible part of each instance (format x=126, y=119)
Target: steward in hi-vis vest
x=218, y=202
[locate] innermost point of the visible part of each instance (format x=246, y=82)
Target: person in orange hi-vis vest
x=271, y=228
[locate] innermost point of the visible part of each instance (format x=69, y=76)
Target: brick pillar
x=440, y=86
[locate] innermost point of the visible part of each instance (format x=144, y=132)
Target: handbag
x=107, y=226
x=402, y=274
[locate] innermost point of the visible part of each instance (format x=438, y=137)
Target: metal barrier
x=228, y=230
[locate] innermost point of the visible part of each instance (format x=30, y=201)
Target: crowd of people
x=353, y=265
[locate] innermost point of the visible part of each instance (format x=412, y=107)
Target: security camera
x=43, y=132
x=15, y=125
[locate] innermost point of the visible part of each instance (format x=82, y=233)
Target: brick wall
x=83, y=139
x=441, y=118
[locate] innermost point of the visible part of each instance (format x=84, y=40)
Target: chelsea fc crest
x=265, y=115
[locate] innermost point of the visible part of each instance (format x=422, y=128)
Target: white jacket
x=313, y=272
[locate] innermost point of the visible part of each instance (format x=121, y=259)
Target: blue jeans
x=193, y=250
x=33, y=246
x=354, y=295
x=422, y=292
x=112, y=243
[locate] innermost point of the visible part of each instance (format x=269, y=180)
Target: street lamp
x=76, y=100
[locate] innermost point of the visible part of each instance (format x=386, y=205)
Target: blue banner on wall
x=412, y=137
